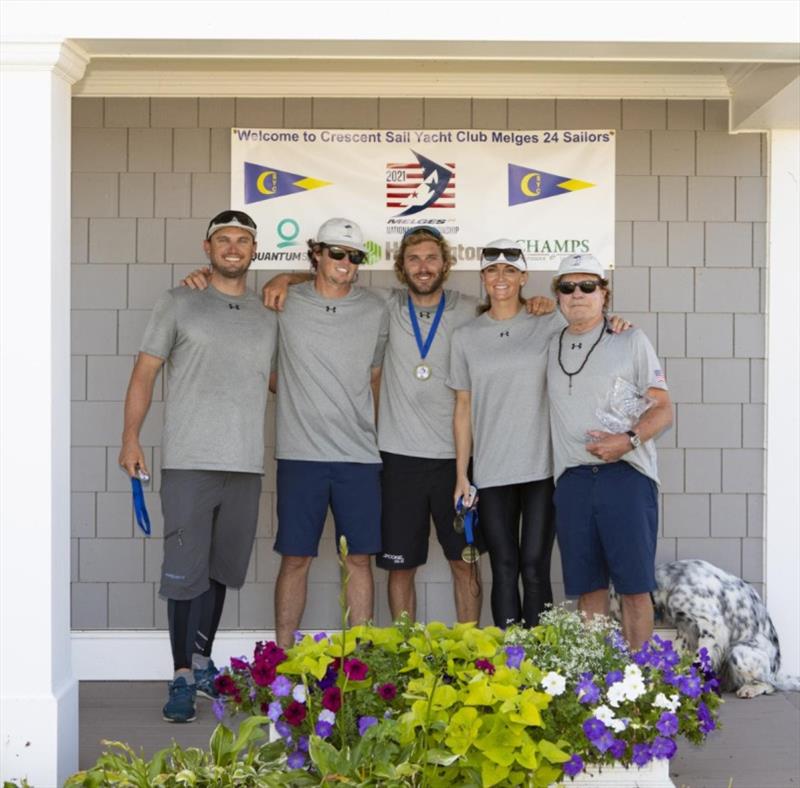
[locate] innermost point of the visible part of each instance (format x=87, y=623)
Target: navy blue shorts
x=306, y=489
x=607, y=525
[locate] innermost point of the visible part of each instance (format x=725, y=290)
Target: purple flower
x=689, y=686
x=355, y=669
x=604, y=741
x=283, y=729
x=641, y=754
x=586, y=690
x=365, y=723
x=613, y=676
x=323, y=729
x=298, y=636
x=295, y=713
x=593, y=728
x=239, y=664
x=320, y=636
x=275, y=710
x=514, y=656
x=302, y=744
x=617, y=748
x=218, y=707
x=332, y=699
x=667, y=724
x=662, y=747
x=573, y=766
x=617, y=642
x=296, y=760
x=329, y=679
x=281, y=687
x=705, y=659
x=707, y=723
x=485, y=666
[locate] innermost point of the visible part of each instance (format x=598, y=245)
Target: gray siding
x=148, y=173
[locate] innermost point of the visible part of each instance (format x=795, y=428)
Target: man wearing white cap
x=606, y=483
x=219, y=344
x=331, y=343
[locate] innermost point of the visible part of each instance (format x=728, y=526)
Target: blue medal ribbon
x=470, y=521
x=142, y=517
x=425, y=346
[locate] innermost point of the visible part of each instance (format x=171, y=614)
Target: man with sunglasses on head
x=219, y=345
x=606, y=484
x=330, y=349
x=416, y=414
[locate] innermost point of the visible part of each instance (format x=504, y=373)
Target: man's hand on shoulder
x=540, y=305
x=198, y=279
x=275, y=291
x=619, y=324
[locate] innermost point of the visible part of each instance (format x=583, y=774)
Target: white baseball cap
x=341, y=232
x=510, y=252
x=580, y=264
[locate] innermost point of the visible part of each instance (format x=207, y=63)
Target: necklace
x=578, y=371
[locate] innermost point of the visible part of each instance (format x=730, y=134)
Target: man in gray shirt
x=331, y=345
x=606, y=484
x=219, y=346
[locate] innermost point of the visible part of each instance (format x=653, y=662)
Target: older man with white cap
x=331, y=343
x=606, y=482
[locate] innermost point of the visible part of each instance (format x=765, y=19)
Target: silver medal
x=422, y=371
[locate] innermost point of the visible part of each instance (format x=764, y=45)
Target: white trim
x=161, y=78
x=782, y=502
x=67, y=60
x=144, y=655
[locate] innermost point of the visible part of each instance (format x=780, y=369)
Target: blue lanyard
x=470, y=521
x=142, y=517
x=425, y=346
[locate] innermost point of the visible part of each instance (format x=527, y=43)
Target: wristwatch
x=636, y=441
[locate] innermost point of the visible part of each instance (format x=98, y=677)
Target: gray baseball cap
x=341, y=232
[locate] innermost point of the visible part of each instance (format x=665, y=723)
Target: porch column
x=782, y=529
x=38, y=694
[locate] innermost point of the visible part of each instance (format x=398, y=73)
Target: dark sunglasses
x=587, y=286
x=353, y=255
x=230, y=216
x=510, y=255
x=423, y=228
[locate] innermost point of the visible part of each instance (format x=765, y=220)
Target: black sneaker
x=204, y=681
x=180, y=706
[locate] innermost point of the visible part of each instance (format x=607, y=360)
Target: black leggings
x=514, y=555
x=193, y=624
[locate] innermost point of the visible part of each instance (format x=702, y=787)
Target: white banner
x=552, y=191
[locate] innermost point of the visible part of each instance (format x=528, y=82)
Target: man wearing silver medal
x=415, y=418
x=606, y=483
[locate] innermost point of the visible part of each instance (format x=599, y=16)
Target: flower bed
x=468, y=706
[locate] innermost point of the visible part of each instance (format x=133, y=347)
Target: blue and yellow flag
x=527, y=185
x=266, y=183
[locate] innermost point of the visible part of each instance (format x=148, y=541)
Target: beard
x=229, y=273
x=431, y=286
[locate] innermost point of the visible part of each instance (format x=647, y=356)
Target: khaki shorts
x=210, y=520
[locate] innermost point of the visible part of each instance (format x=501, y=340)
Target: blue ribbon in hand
x=139, y=507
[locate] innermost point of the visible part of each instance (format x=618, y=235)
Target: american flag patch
x=658, y=376
x=406, y=186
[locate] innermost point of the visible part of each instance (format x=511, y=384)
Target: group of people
x=393, y=407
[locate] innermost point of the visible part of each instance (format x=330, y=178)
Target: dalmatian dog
x=715, y=610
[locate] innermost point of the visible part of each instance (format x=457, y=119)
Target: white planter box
x=654, y=775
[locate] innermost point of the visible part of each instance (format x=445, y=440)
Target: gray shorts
x=210, y=520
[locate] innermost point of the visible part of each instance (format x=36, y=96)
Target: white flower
x=671, y=703
x=634, y=688
x=327, y=716
x=299, y=693
x=604, y=714
x=632, y=671
x=554, y=684
x=616, y=693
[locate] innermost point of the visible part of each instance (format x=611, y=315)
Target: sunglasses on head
x=231, y=216
x=587, y=286
x=510, y=255
x=353, y=255
x=423, y=228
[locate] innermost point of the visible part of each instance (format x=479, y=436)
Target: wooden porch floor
x=759, y=746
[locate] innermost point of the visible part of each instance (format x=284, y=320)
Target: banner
x=552, y=191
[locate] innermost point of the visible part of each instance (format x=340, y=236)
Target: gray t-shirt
x=326, y=350
x=503, y=364
x=416, y=416
x=218, y=350
x=629, y=356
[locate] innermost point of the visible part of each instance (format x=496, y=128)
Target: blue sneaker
x=180, y=706
x=204, y=681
